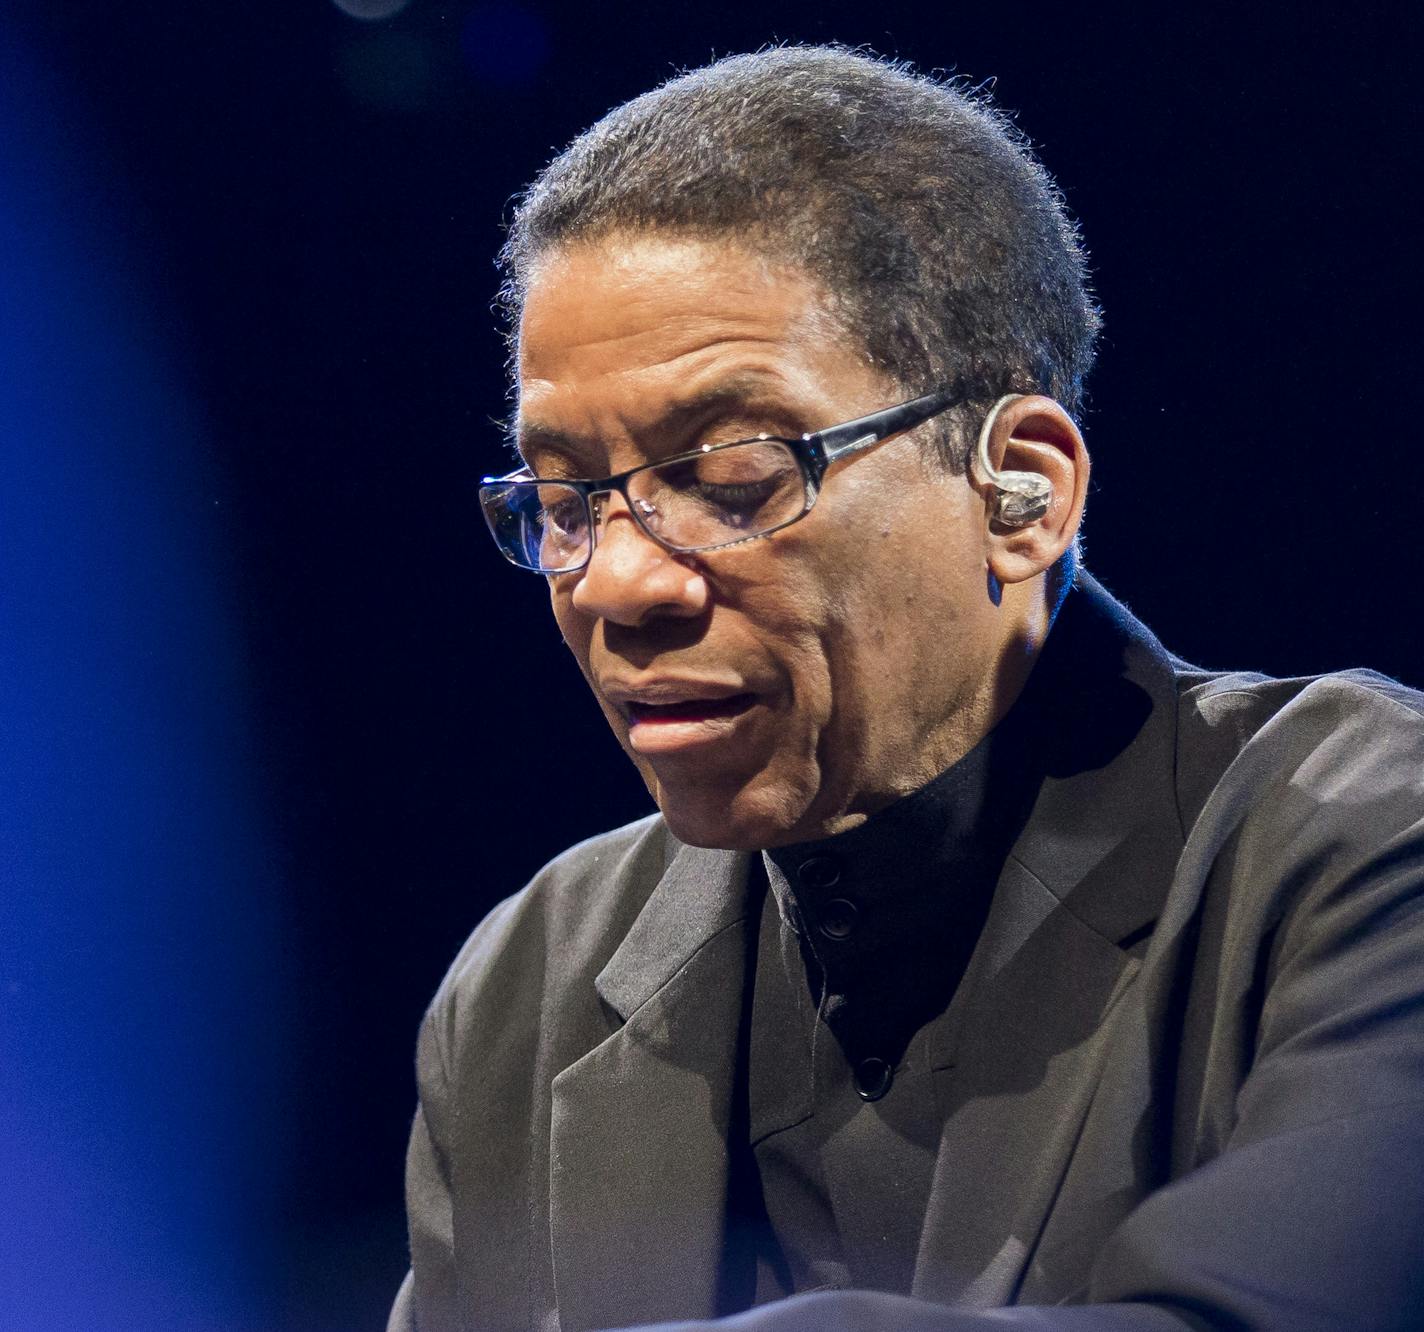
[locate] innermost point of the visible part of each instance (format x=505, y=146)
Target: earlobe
x=1033, y=466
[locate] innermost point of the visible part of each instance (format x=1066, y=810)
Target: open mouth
x=690, y=710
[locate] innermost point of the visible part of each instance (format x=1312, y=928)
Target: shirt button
x=819, y=872
x=838, y=919
x=873, y=1078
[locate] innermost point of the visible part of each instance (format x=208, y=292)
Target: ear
x=1034, y=434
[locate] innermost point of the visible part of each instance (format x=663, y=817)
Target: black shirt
x=863, y=940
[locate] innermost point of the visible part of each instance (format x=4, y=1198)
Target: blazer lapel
x=1015, y=1086
x=1021, y=1049
x=639, y=1156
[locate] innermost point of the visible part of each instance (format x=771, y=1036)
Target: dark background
x=270, y=695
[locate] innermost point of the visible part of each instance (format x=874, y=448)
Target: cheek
x=896, y=640
x=792, y=625
x=812, y=679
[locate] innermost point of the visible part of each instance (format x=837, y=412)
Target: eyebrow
x=740, y=391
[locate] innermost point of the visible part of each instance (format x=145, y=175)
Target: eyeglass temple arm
x=840, y=441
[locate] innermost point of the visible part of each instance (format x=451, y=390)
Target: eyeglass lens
x=727, y=494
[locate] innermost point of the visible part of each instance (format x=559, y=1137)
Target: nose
x=629, y=578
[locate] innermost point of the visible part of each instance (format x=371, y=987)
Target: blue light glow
x=141, y=1062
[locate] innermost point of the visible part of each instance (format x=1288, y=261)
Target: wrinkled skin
x=787, y=687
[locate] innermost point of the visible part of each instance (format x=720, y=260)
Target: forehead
x=626, y=325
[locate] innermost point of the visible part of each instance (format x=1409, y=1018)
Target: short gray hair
x=944, y=245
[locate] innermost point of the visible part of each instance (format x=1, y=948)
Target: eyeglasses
x=715, y=496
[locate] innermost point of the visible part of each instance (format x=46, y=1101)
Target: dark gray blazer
x=1185, y=1086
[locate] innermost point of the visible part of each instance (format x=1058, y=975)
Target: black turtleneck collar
x=888, y=913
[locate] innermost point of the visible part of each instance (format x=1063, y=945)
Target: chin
x=696, y=823
x=742, y=820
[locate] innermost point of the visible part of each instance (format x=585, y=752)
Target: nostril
x=630, y=577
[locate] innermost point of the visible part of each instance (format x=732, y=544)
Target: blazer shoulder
x=1240, y=704
x=1350, y=736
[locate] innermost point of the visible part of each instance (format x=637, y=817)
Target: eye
x=748, y=465
x=733, y=488
x=562, y=510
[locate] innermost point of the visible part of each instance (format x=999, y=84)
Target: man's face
x=784, y=688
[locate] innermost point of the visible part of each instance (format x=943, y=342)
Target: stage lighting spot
x=505, y=44
x=370, y=9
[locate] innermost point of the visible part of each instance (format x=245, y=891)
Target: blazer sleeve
x=426, y=1301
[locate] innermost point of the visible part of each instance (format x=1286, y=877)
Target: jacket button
x=873, y=1078
x=838, y=920
x=819, y=872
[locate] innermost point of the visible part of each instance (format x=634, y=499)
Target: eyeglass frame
x=814, y=451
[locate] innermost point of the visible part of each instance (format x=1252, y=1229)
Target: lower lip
x=687, y=725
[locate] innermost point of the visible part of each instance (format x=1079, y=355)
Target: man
x=985, y=964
